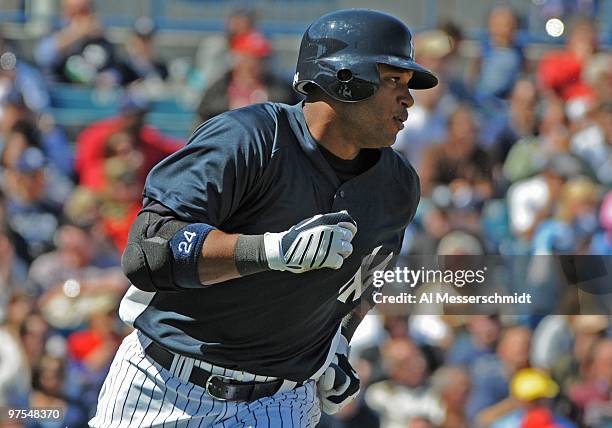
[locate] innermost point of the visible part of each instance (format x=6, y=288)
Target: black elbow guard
x=164, y=255
x=147, y=261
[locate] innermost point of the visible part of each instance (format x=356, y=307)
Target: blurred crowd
x=481, y=371
x=514, y=152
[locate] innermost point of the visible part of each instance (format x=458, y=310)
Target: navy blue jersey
x=257, y=170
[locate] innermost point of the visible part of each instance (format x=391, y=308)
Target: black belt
x=217, y=386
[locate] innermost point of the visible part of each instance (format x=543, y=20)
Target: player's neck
x=325, y=127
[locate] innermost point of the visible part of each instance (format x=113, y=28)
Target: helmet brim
x=422, y=78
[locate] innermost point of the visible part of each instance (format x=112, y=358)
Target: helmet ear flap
x=347, y=81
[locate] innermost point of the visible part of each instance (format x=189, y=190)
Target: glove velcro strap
x=186, y=247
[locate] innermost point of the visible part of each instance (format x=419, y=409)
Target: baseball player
x=246, y=260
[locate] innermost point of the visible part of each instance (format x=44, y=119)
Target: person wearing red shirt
x=560, y=71
x=91, y=143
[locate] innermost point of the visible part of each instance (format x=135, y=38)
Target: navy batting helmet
x=340, y=52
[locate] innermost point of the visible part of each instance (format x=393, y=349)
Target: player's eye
x=393, y=80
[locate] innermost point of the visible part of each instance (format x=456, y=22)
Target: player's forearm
x=217, y=260
x=168, y=254
x=228, y=256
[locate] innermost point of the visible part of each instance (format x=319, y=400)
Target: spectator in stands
x=33, y=333
x=458, y=162
x=22, y=136
x=593, y=143
x=533, y=389
x=528, y=155
x=76, y=258
x=19, y=77
x=595, y=388
x=87, y=290
x=214, y=55
x=51, y=138
x=560, y=72
x=597, y=74
x=241, y=21
x=91, y=143
x=141, y=63
x=30, y=212
x=501, y=59
x=121, y=199
x=586, y=330
x=439, y=49
x=48, y=382
x=552, y=337
x=453, y=71
x=78, y=52
x=91, y=352
x=532, y=200
x=20, y=305
x=122, y=146
x=452, y=384
x=575, y=221
x=480, y=340
x=491, y=376
x=520, y=121
x=249, y=81
x=405, y=394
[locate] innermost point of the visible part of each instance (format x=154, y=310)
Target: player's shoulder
x=254, y=125
x=249, y=120
x=262, y=114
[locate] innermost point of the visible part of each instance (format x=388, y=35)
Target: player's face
x=379, y=118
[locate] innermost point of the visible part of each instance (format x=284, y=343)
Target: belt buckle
x=208, y=384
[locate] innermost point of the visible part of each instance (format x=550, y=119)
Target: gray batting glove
x=322, y=241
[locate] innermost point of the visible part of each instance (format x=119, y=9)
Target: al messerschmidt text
x=448, y=298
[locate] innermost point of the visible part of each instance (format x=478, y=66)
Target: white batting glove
x=322, y=241
x=339, y=384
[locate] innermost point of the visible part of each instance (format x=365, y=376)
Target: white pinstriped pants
x=140, y=393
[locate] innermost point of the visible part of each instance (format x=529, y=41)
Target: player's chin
x=384, y=138
x=390, y=138
x=389, y=142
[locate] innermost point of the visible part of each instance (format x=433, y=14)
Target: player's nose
x=406, y=99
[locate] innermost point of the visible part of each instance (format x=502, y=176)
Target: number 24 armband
x=186, y=247
x=166, y=259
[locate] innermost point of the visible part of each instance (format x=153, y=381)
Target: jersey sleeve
x=206, y=180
